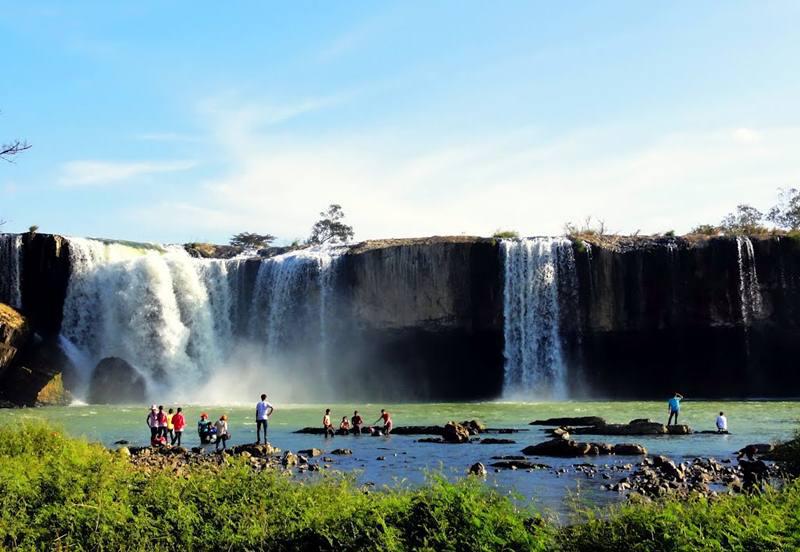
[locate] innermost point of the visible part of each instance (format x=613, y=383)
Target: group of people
x=165, y=426
x=674, y=409
x=355, y=425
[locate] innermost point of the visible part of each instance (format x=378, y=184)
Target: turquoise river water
x=406, y=461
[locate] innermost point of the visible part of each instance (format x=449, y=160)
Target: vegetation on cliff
x=59, y=492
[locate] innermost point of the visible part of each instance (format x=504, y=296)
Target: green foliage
x=505, y=234
x=706, y=230
x=33, y=228
x=669, y=234
x=588, y=229
x=746, y=220
x=330, y=228
x=252, y=241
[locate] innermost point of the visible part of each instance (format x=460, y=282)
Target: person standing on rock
x=674, y=406
x=222, y=432
x=327, y=425
x=170, y=426
x=162, y=423
x=178, y=423
x=152, y=423
x=263, y=411
x=722, y=423
x=387, y=421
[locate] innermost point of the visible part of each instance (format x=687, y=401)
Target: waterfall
x=164, y=312
x=10, y=264
x=749, y=292
x=534, y=270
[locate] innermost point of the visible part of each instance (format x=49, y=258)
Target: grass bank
x=58, y=492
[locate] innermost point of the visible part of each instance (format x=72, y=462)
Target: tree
x=786, y=214
x=706, y=230
x=505, y=234
x=745, y=220
x=249, y=240
x=330, y=228
x=8, y=151
x=588, y=228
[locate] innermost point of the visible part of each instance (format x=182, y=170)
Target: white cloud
x=278, y=183
x=746, y=136
x=98, y=173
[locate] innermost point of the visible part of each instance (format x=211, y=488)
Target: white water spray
x=749, y=292
x=534, y=363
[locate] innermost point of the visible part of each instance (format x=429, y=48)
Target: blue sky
x=184, y=121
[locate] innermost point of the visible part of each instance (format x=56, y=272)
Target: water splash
x=749, y=292
x=10, y=264
x=534, y=360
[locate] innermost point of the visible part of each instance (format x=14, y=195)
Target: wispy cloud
x=98, y=173
x=278, y=183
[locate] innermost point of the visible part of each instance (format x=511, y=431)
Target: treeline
x=330, y=228
x=58, y=493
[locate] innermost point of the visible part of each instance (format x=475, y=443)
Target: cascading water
x=749, y=292
x=534, y=360
x=10, y=263
x=154, y=307
x=179, y=320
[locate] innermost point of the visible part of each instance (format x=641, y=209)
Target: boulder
x=495, y=441
x=603, y=448
x=629, y=449
x=477, y=469
x=455, y=433
x=474, y=426
x=640, y=428
x=114, y=381
x=571, y=421
x=289, y=459
x=342, y=452
x=558, y=447
x=312, y=452
x=679, y=430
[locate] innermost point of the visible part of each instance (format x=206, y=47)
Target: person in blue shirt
x=674, y=405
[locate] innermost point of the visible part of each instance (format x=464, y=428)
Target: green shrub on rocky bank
x=58, y=492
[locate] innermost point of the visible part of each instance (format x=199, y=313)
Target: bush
x=505, y=234
x=706, y=230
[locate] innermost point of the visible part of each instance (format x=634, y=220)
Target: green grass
x=62, y=493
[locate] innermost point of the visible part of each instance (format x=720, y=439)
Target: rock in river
x=573, y=421
x=558, y=447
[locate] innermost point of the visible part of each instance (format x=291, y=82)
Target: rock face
x=116, y=381
x=713, y=317
x=14, y=335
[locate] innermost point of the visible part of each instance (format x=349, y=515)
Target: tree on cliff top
x=250, y=240
x=746, y=219
x=330, y=228
x=786, y=214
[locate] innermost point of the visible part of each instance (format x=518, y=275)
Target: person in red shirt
x=162, y=423
x=387, y=421
x=178, y=423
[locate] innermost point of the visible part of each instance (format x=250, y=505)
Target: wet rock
x=474, y=426
x=342, y=452
x=629, y=449
x=477, y=469
x=114, y=381
x=603, y=448
x=495, y=441
x=754, y=449
x=679, y=430
x=312, y=452
x=381, y=458
x=121, y=442
x=557, y=447
x=455, y=433
x=289, y=459
x=571, y=421
x=641, y=428
x=519, y=465
x=430, y=440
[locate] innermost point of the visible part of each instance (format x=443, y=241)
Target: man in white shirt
x=263, y=411
x=722, y=423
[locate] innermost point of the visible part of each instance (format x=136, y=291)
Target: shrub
x=505, y=234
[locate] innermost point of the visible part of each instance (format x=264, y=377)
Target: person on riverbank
x=263, y=411
x=170, y=426
x=722, y=423
x=162, y=422
x=205, y=429
x=387, y=421
x=674, y=406
x=178, y=423
x=222, y=432
x=344, y=426
x=152, y=423
x=357, y=422
x=327, y=425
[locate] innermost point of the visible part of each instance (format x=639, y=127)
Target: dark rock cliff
x=423, y=319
